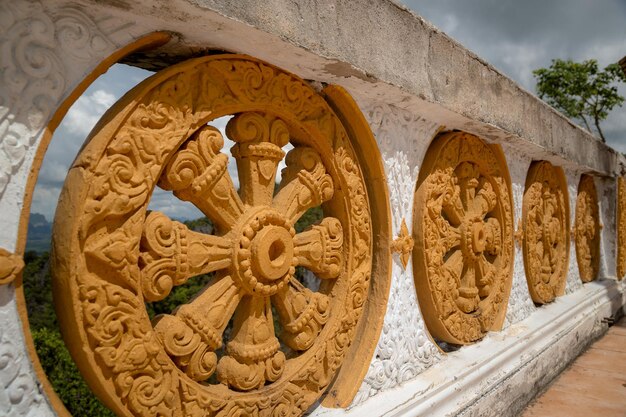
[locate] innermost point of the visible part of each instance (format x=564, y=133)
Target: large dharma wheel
x=255, y=340
x=463, y=227
x=545, y=216
x=587, y=229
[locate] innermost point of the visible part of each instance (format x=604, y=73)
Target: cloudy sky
x=514, y=36
x=518, y=36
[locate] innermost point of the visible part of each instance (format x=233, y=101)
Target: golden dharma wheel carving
x=621, y=227
x=545, y=215
x=285, y=341
x=463, y=227
x=587, y=229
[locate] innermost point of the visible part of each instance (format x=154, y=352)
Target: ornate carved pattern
x=33, y=76
x=403, y=244
x=19, y=392
x=545, y=231
x=114, y=256
x=10, y=266
x=463, y=223
x=587, y=229
x=404, y=349
x=621, y=227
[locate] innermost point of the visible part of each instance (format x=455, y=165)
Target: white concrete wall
x=411, y=81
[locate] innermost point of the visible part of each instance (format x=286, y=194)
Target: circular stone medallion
x=255, y=340
x=587, y=229
x=545, y=215
x=463, y=226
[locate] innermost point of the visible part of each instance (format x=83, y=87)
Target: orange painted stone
x=463, y=228
x=285, y=342
x=545, y=215
x=587, y=229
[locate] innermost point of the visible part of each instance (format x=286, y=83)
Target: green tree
x=580, y=90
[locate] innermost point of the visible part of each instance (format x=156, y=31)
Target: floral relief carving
x=255, y=339
x=19, y=394
x=404, y=349
x=403, y=244
x=33, y=74
x=545, y=231
x=10, y=266
x=587, y=229
x=463, y=227
x=621, y=227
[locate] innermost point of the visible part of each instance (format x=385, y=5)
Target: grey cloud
x=519, y=36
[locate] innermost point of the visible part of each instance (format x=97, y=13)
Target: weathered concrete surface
x=384, y=55
x=388, y=53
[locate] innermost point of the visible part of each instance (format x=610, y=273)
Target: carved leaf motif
x=403, y=244
x=10, y=266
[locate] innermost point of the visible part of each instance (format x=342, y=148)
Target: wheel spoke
x=258, y=151
x=170, y=254
x=493, y=232
x=486, y=199
x=485, y=274
x=468, y=292
x=450, y=234
x=454, y=265
x=452, y=206
x=254, y=355
x=199, y=173
x=303, y=314
x=319, y=248
x=194, y=332
x=305, y=183
x=468, y=175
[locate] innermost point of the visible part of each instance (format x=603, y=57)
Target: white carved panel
x=20, y=394
x=520, y=303
x=573, y=282
x=607, y=200
x=45, y=52
x=404, y=349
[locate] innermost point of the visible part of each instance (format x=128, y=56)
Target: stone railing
x=472, y=241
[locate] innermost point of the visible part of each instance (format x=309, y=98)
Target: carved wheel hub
x=545, y=215
x=263, y=256
x=255, y=340
x=463, y=225
x=587, y=229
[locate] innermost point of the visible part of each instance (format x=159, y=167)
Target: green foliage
x=36, y=282
x=311, y=216
x=54, y=356
x=180, y=295
x=64, y=376
x=580, y=90
x=201, y=225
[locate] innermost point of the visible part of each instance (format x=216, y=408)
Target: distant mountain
x=39, y=233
